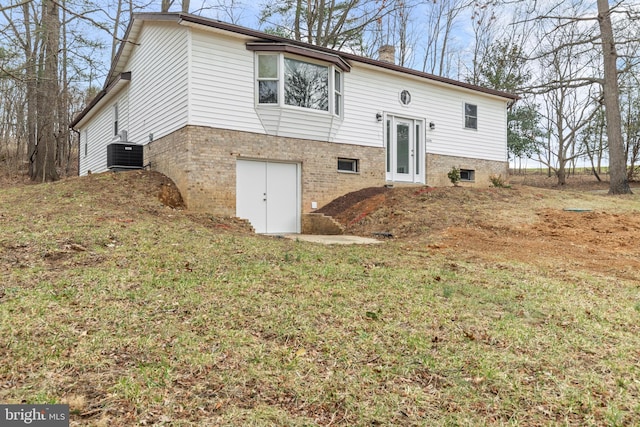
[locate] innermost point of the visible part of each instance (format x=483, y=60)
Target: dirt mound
x=411, y=211
x=346, y=202
x=524, y=224
x=139, y=187
x=170, y=195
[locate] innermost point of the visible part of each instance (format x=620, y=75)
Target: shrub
x=454, y=175
x=498, y=181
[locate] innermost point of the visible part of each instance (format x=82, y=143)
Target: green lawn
x=136, y=314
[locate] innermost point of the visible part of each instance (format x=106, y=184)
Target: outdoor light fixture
x=379, y=117
x=432, y=125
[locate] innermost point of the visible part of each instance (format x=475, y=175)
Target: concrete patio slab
x=339, y=239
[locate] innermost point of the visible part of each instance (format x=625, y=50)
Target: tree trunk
x=45, y=151
x=296, y=22
x=30, y=47
x=618, y=183
x=62, y=159
x=165, y=5
x=116, y=28
x=561, y=173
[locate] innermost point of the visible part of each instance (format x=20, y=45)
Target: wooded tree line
x=575, y=65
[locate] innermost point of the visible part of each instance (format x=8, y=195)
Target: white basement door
x=267, y=194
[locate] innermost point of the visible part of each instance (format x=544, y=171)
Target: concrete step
x=321, y=224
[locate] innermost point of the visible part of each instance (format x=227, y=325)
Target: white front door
x=267, y=194
x=405, y=158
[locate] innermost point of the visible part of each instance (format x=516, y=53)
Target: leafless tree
x=166, y=5
x=47, y=57
x=597, y=35
x=335, y=24
x=619, y=184
x=567, y=111
x=396, y=29
x=439, y=24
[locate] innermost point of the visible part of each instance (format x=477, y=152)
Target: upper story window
x=86, y=142
x=283, y=80
x=405, y=97
x=306, y=84
x=268, y=79
x=470, y=116
x=115, y=120
x=337, y=89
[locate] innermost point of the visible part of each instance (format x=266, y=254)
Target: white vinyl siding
x=98, y=133
x=368, y=92
x=123, y=111
x=154, y=101
x=222, y=83
x=223, y=94
x=187, y=76
x=158, y=97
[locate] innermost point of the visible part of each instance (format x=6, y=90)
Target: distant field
x=488, y=307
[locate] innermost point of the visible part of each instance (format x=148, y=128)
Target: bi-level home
x=265, y=128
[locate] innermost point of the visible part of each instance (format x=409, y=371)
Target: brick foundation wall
x=202, y=163
x=438, y=167
x=170, y=155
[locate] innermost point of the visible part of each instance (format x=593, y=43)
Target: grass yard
x=134, y=313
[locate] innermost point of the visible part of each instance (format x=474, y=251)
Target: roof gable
x=342, y=59
x=257, y=40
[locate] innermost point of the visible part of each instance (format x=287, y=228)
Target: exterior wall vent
x=124, y=156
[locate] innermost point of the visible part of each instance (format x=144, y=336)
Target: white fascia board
x=423, y=80
x=108, y=97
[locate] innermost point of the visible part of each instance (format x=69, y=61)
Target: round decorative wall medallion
x=405, y=97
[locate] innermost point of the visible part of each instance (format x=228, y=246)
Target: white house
x=257, y=126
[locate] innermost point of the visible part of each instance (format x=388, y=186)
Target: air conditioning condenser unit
x=124, y=156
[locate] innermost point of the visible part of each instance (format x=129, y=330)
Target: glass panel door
x=404, y=150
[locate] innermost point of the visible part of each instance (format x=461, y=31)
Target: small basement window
x=467, y=175
x=348, y=165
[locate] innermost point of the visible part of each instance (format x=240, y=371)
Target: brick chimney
x=387, y=53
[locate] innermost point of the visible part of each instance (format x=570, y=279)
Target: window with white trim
x=337, y=92
x=287, y=81
x=115, y=119
x=405, y=97
x=86, y=142
x=268, y=79
x=467, y=175
x=348, y=165
x=306, y=85
x=470, y=116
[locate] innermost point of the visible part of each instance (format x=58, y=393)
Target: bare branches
x=16, y=5
x=329, y=23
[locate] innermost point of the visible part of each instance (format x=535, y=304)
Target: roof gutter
x=211, y=23
x=105, y=95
